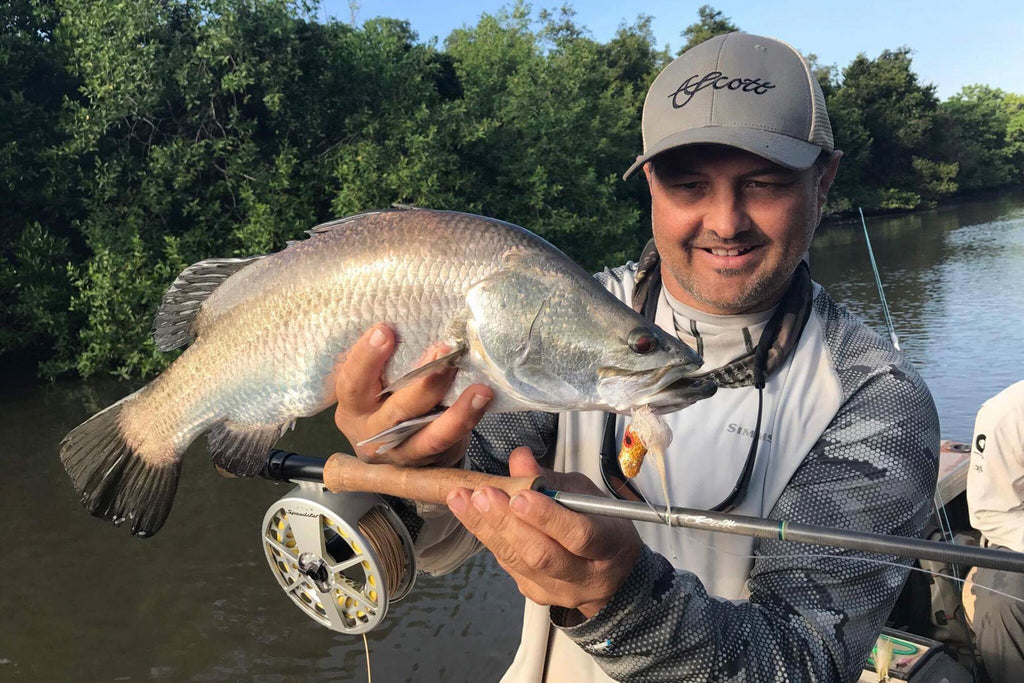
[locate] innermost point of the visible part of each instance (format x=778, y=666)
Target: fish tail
x=115, y=481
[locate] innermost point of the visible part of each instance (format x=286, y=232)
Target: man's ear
x=648, y=172
x=826, y=180
x=829, y=175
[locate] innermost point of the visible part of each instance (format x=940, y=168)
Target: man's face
x=731, y=226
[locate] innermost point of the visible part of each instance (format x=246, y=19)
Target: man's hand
x=556, y=556
x=361, y=413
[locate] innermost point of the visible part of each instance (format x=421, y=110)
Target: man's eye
x=767, y=184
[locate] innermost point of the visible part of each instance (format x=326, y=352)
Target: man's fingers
x=362, y=412
x=574, y=561
x=521, y=463
x=520, y=548
x=579, y=534
x=418, y=398
x=453, y=425
x=357, y=381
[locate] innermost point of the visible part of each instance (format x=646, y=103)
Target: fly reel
x=341, y=557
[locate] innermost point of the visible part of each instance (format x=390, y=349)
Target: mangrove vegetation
x=139, y=136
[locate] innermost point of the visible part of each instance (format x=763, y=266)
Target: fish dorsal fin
x=331, y=226
x=340, y=223
x=173, y=325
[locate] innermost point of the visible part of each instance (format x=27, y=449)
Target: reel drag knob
x=341, y=557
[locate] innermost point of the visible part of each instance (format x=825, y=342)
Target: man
x=817, y=419
x=995, y=499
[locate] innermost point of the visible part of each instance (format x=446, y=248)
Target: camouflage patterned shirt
x=852, y=442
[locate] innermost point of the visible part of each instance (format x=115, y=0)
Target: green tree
x=199, y=128
x=711, y=23
x=881, y=105
x=37, y=204
x=972, y=129
x=1014, y=106
x=186, y=144
x=853, y=185
x=547, y=133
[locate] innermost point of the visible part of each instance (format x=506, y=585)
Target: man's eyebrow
x=772, y=169
x=769, y=170
x=679, y=170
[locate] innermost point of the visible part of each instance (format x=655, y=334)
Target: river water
x=83, y=601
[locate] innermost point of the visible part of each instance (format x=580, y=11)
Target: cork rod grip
x=425, y=484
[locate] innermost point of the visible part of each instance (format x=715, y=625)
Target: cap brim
x=782, y=149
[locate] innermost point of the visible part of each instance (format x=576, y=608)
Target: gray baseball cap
x=740, y=90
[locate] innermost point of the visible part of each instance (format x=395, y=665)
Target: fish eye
x=642, y=341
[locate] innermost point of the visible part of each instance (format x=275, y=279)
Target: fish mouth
x=661, y=377
x=683, y=392
x=672, y=388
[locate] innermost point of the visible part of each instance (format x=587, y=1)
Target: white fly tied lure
x=647, y=432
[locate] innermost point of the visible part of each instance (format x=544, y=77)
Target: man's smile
x=731, y=257
x=727, y=252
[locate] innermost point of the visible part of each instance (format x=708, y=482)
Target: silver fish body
x=266, y=334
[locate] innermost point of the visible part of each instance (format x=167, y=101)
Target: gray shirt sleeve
x=814, y=612
x=498, y=433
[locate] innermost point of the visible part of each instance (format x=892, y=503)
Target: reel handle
x=344, y=472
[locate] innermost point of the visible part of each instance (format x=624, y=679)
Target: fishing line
x=946, y=528
x=366, y=648
x=878, y=283
x=940, y=510
x=383, y=538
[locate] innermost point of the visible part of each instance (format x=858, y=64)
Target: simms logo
x=734, y=428
x=695, y=83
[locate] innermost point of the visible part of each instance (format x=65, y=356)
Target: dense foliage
x=139, y=136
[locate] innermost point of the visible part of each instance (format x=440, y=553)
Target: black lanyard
x=611, y=471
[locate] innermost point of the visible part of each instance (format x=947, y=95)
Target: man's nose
x=726, y=215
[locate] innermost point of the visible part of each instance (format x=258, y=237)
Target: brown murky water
x=82, y=601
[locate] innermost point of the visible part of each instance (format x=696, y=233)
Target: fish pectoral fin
x=531, y=352
x=240, y=448
x=446, y=361
x=394, y=436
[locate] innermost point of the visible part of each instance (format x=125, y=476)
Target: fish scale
x=266, y=334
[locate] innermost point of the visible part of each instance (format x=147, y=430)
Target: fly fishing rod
x=344, y=473
x=940, y=509
x=878, y=283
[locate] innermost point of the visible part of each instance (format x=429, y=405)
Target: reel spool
x=341, y=557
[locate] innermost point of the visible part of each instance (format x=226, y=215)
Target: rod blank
x=347, y=473
x=901, y=546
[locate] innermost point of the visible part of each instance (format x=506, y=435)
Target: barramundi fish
x=265, y=333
